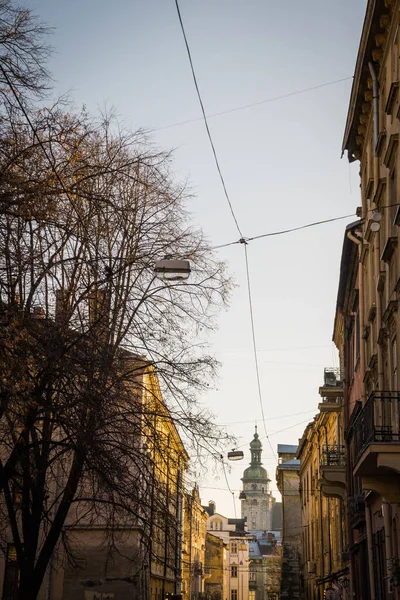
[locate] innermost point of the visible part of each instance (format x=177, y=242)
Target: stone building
x=256, y=498
x=215, y=569
x=367, y=318
x=323, y=495
x=143, y=558
x=193, y=546
x=257, y=504
x=288, y=483
x=233, y=532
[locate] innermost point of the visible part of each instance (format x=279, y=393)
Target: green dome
x=255, y=473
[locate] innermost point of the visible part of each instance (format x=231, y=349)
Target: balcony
x=332, y=470
x=332, y=456
x=252, y=584
x=376, y=442
x=332, y=391
x=356, y=510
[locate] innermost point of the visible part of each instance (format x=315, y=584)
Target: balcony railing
x=378, y=422
x=356, y=510
x=332, y=377
x=333, y=455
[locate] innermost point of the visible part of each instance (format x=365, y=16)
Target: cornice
x=373, y=42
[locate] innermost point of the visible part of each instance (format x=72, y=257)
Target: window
x=234, y=547
x=218, y=525
x=252, y=575
x=234, y=595
x=233, y=571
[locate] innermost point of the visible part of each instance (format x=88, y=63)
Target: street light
x=235, y=455
x=172, y=270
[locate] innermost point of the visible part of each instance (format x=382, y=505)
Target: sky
x=281, y=161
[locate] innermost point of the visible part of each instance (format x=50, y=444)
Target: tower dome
x=256, y=498
x=255, y=472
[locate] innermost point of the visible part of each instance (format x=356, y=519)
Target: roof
x=370, y=28
x=290, y=464
x=287, y=449
x=240, y=523
x=254, y=550
x=255, y=473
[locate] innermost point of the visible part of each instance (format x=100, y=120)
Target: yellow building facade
x=193, y=546
x=142, y=560
x=323, y=495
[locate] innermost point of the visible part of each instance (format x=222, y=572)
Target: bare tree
x=24, y=51
x=86, y=325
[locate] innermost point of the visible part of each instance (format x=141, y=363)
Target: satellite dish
x=377, y=217
x=375, y=226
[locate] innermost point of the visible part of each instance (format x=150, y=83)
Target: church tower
x=256, y=498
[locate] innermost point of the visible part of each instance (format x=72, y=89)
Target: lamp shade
x=172, y=269
x=235, y=455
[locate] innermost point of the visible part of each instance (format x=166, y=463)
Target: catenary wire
x=227, y=483
x=282, y=231
x=253, y=335
x=204, y=117
x=252, y=104
x=244, y=240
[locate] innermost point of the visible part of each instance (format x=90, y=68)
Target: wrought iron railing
x=356, y=508
x=332, y=377
x=333, y=455
x=377, y=422
x=330, y=400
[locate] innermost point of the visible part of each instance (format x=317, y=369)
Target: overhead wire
x=205, y=119
x=253, y=335
x=242, y=240
x=252, y=104
x=229, y=487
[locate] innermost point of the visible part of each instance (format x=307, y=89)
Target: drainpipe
x=190, y=542
x=321, y=527
x=375, y=96
x=370, y=551
x=328, y=502
x=388, y=541
x=359, y=242
x=379, y=314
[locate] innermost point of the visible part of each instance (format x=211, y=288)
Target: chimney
x=211, y=507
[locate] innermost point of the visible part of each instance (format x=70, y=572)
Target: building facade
x=257, y=506
x=139, y=557
x=233, y=533
x=323, y=496
x=257, y=501
x=288, y=483
x=193, y=546
x=368, y=310
x=216, y=573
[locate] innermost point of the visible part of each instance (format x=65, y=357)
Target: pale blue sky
x=281, y=162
